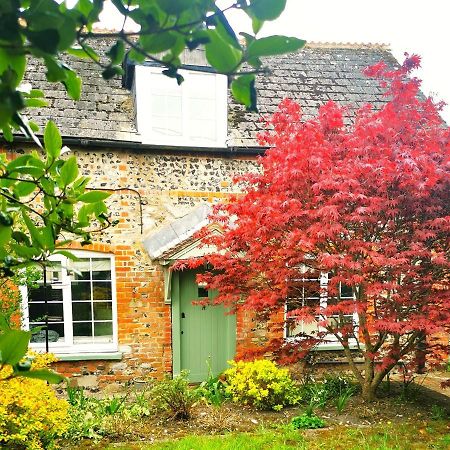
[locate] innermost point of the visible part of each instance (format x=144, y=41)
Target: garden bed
x=417, y=415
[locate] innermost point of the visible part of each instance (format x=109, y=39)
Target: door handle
x=183, y=316
x=182, y=332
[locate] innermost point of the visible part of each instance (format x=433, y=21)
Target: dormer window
x=193, y=114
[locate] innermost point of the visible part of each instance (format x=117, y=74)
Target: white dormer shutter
x=193, y=114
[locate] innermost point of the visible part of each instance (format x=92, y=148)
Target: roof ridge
x=351, y=45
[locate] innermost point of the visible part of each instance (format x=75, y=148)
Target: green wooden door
x=207, y=335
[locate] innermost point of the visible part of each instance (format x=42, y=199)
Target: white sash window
x=79, y=302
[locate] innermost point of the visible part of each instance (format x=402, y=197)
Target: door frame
x=176, y=324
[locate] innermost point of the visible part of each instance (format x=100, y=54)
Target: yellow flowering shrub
x=31, y=416
x=262, y=384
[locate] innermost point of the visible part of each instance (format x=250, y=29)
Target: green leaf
x=69, y=171
x=174, y=7
x=5, y=235
x=274, y=45
x=93, y=196
x=16, y=62
x=24, y=188
x=55, y=70
x=35, y=103
x=52, y=139
x=67, y=254
x=243, y=90
x=72, y=82
x=13, y=346
x=111, y=72
x=257, y=25
x=7, y=134
x=4, y=325
x=25, y=252
x=41, y=374
x=48, y=238
x=116, y=52
x=266, y=9
x=36, y=237
x=36, y=93
x=46, y=41
x=158, y=43
x=86, y=52
x=220, y=54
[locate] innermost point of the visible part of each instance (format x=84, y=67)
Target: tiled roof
x=320, y=72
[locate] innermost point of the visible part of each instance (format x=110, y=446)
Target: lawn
x=414, y=434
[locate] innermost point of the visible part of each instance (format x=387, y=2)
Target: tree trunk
x=369, y=391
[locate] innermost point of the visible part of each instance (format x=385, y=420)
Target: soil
x=395, y=405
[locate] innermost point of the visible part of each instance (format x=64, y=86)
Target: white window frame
x=68, y=347
x=148, y=79
x=330, y=340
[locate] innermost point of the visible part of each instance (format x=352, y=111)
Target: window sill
x=89, y=356
x=335, y=347
x=329, y=346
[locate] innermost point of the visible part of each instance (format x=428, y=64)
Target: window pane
x=102, y=290
x=38, y=311
x=81, y=290
x=80, y=269
x=82, y=331
x=167, y=127
x=346, y=291
x=103, y=332
x=102, y=310
x=202, y=109
x=55, y=333
x=38, y=294
x=202, y=129
x=81, y=311
x=101, y=269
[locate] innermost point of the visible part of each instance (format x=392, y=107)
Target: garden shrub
x=212, y=390
x=31, y=416
x=332, y=386
x=307, y=421
x=262, y=384
x=174, y=396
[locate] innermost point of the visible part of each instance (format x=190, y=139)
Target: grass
x=385, y=436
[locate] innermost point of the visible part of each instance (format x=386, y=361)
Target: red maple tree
x=344, y=232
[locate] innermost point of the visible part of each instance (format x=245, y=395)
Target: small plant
x=344, y=397
x=174, y=395
x=262, y=384
x=212, y=389
x=76, y=396
x=307, y=421
x=438, y=412
x=333, y=386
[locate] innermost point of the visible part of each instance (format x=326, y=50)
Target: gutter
x=130, y=145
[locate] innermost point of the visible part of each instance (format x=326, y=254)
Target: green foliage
x=40, y=199
x=343, y=398
x=213, y=390
x=174, y=396
x=339, y=387
x=307, y=421
x=13, y=356
x=262, y=384
x=46, y=29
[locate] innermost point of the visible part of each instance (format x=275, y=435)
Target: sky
x=411, y=26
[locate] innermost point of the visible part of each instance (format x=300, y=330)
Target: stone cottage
x=166, y=153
